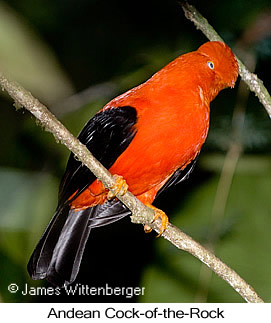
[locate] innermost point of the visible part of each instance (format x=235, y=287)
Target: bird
x=149, y=138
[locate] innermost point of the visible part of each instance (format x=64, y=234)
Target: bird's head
x=221, y=64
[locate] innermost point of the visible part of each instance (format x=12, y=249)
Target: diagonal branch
x=252, y=80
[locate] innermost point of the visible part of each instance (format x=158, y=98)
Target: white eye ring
x=211, y=65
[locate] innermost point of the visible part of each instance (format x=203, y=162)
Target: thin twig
x=251, y=79
x=78, y=100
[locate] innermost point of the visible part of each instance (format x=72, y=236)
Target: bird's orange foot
x=157, y=213
x=120, y=187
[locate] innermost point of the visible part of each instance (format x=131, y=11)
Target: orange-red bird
x=151, y=135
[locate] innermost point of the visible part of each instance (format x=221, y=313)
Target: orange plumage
x=173, y=121
x=150, y=135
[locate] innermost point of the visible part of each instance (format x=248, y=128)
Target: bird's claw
x=164, y=220
x=120, y=187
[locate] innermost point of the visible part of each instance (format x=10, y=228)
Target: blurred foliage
x=244, y=242
x=26, y=58
x=56, y=49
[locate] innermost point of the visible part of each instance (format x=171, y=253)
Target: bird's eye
x=211, y=65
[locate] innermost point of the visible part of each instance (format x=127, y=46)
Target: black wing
x=179, y=175
x=58, y=254
x=106, y=135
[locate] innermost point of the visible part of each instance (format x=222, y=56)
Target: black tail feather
x=68, y=252
x=59, y=252
x=40, y=260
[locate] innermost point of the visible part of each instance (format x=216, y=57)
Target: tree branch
x=140, y=213
x=251, y=79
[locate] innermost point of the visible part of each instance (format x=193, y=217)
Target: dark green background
x=59, y=48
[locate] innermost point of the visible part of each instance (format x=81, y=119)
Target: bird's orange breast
x=171, y=129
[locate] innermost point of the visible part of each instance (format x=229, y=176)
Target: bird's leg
x=120, y=187
x=157, y=213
